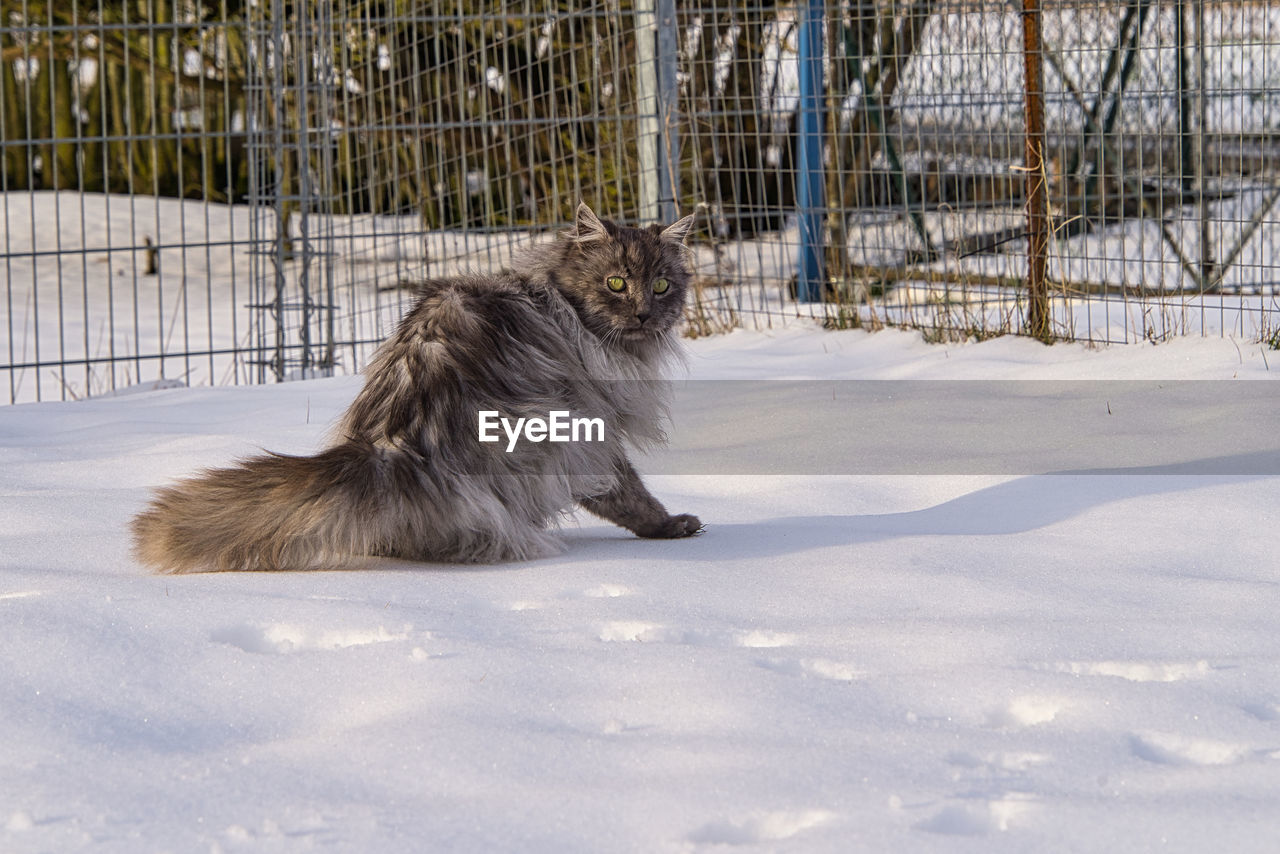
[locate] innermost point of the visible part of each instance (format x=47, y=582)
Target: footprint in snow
x=757, y=828
x=978, y=817
x=1001, y=762
x=1025, y=711
x=608, y=591
x=640, y=631
x=1166, y=748
x=281, y=638
x=637, y=631
x=821, y=668
x=1138, y=671
x=1263, y=710
x=600, y=591
x=760, y=639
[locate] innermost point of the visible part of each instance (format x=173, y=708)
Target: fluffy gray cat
x=582, y=325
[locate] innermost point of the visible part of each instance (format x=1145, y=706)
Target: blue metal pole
x=810, y=201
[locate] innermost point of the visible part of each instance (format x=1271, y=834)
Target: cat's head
x=628, y=284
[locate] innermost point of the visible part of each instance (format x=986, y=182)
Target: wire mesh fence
x=206, y=193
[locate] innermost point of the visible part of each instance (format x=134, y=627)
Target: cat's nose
x=642, y=316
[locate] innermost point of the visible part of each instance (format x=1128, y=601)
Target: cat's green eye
x=661, y=286
x=617, y=284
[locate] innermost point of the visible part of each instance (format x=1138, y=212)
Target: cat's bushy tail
x=273, y=512
x=350, y=501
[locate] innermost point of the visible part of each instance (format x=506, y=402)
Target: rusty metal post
x=1037, y=320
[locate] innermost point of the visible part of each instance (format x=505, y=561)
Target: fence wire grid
x=250, y=190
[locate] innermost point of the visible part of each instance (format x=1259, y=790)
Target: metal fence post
x=1192, y=103
x=668, y=102
x=647, y=121
x=810, y=201
x=657, y=93
x=1037, y=323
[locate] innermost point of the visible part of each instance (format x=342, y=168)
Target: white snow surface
x=839, y=663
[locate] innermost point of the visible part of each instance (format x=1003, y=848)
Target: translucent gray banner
x=971, y=427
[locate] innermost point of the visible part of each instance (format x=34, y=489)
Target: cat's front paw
x=674, y=527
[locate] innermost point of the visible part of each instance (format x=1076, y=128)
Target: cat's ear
x=587, y=226
x=679, y=230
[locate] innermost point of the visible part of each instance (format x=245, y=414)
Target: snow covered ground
x=984, y=661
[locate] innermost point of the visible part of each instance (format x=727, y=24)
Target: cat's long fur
x=406, y=475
